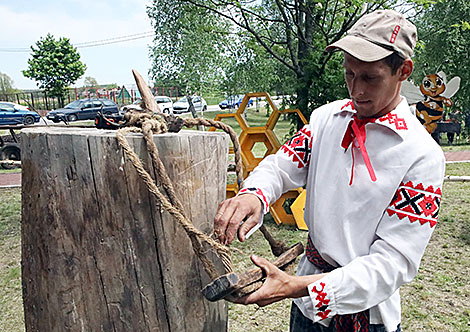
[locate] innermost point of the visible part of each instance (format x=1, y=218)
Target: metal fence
x=41, y=101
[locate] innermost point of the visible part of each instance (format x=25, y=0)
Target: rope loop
x=149, y=124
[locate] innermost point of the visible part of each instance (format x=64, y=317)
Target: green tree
x=189, y=46
x=251, y=69
x=6, y=84
x=444, y=33
x=54, y=64
x=90, y=82
x=293, y=33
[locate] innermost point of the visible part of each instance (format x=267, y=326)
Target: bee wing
x=451, y=87
x=411, y=92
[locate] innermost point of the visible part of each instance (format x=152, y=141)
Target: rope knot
x=156, y=123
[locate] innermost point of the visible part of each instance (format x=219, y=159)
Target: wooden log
x=98, y=252
x=231, y=282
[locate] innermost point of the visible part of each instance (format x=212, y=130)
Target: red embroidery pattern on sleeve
x=416, y=203
x=400, y=124
x=299, y=147
x=323, y=302
x=258, y=192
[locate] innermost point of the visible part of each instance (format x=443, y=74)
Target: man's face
x=372, y=87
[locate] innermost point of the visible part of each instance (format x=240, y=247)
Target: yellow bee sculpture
x=430, y=97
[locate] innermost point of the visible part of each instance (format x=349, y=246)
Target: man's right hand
x=231, y=213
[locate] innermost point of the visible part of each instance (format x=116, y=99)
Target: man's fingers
x=233, y=226
x=263, y=263
x=227, y=220
x=249, y=223
x=259, y=296
x=221, y=220
x=232, y=212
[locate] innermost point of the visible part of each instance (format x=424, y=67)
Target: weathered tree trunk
x=98, y=252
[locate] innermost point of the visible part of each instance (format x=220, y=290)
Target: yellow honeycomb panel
x=297, y=209
x=232, y=190
x=250, y=137
x=277, y=208
x=247, y=98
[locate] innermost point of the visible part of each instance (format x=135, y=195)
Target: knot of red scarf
x=357, y=129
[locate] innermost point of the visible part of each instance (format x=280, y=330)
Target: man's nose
x=356, y=89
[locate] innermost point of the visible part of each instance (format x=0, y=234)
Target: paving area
x=458, y=155
x=10, y=180
x=14, y=179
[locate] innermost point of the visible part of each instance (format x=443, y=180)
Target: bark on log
x=98, y=254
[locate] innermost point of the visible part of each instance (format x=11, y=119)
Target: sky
x=24, y=22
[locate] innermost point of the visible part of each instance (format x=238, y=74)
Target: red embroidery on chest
x=323, y=302
x=299, y=147
x=400, y=124
x=393, y=38
x=416, y=203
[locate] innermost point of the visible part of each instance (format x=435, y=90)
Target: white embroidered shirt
x=374, y=231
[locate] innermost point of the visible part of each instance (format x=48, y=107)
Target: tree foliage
x=444, y=33
x=287, y=36
x=190, y=45
x=90, y=82
x=6, y=84
x=250, y=68
x=54, y=64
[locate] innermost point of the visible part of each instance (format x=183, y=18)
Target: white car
x=165, y=103
x=182, y=105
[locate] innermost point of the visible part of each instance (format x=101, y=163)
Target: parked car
x=83, y=109
x=165, y=103
x=10, y=148
x=234, y=102
x=182, y=105
x=13, y=114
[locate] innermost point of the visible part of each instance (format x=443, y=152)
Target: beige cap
x=377, y=35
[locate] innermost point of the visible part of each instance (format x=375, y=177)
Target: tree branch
x=248, y=28
x=290, y=45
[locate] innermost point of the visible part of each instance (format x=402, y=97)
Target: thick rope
x=151, y=124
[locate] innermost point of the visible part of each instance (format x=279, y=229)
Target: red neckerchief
x=357, y=129
x=358, y=322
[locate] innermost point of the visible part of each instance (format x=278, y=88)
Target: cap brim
x=360, y=48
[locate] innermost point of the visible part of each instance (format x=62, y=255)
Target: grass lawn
x=437, y=300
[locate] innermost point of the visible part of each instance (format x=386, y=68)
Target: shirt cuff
x=259, y=193
x=323, y=299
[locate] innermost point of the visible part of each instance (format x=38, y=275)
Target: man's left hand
x=278, y=285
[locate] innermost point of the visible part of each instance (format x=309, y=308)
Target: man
x=373, y=177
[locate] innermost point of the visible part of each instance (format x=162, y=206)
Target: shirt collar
x=397, y=120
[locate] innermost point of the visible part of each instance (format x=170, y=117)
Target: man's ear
x=406, y=69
